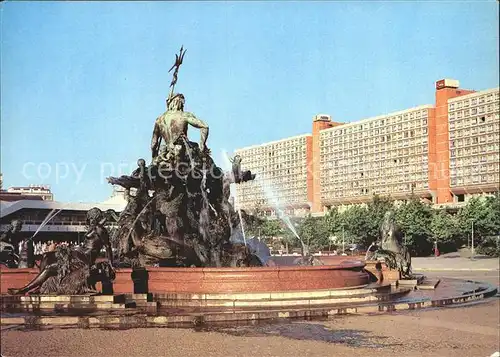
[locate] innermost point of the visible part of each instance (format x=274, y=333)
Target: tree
x=252, y=224
x=271, y=228
x=376, y=210
x=253, y=220
x=474, y=217
x=354, y=221
x=290, y=240
x=444, y=229
x=482, y=213
x=490, y=244
x=492, y=219
x=414, y=219
x=314, y=233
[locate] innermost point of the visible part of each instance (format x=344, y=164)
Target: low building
x=51, y=220
x=36, y=192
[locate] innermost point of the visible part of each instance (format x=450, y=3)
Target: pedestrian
x=436, y=249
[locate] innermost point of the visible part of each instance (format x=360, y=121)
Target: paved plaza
x=455, y=262
x=463, y=331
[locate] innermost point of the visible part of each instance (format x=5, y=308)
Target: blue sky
x=82, y=82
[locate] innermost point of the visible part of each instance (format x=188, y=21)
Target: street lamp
x=331, y=239
x=472, y=241
x=343, y=241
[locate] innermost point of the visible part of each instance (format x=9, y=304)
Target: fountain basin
x=191, y=310
x=345, y=274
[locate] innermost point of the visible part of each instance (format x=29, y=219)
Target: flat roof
x=383, y=116
x=474, y=94
x=7, y=208
x=272, y=142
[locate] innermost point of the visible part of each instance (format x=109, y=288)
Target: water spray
x=273, y=200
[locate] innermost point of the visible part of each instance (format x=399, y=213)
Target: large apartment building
x=474, y=128
x=282, y=181
x=443, y=152
x=381, y=155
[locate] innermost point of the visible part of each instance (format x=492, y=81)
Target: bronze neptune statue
x=178, y=213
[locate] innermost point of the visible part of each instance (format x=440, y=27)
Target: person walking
x=436, y=249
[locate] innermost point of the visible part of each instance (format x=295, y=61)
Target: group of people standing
x=20, y=252
x=40, y=248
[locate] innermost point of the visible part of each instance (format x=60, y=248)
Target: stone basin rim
x=211, y=280
x=346, y=264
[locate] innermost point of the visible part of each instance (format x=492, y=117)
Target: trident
x=178, y=61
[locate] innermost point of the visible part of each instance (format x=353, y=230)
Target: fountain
x=274, y=202
x=179, y=260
